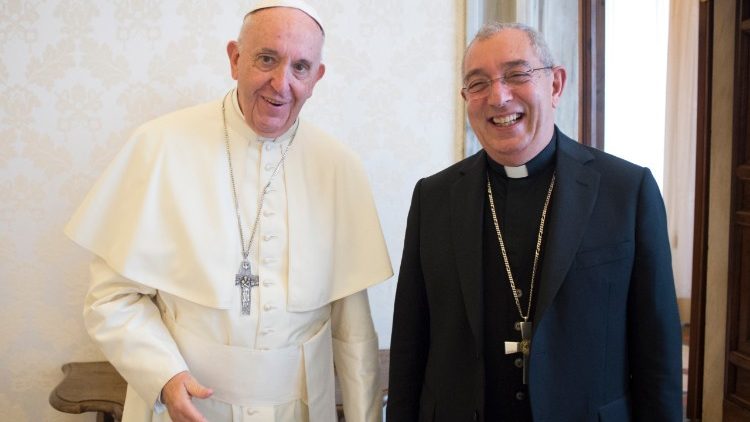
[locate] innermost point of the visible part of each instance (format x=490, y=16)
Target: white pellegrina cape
x=163, y=214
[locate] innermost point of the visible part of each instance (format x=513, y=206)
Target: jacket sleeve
x=653, y=325
x=410, y=336
x=355, y=355
x=123, y=320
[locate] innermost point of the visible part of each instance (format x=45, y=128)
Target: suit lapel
x=572, y=203
x=466, y=213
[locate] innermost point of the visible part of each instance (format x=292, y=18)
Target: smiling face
x=514, y=121
x=276, y=63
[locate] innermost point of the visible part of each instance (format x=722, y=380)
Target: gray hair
x=535, y=38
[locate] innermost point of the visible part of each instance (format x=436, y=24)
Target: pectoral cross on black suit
x=523, y=346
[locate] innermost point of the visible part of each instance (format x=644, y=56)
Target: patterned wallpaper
x=76, y=76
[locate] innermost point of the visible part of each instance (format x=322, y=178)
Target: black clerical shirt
x=518, y=204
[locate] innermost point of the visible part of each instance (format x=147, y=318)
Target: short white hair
x=535, y=38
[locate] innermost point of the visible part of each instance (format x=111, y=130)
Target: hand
x=177, y=395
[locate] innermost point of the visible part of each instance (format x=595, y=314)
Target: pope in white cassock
x=234, y=244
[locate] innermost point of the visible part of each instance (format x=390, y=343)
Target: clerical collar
x=283, y=138
x=532, y=167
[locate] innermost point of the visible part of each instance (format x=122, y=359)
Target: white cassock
x=161, y=221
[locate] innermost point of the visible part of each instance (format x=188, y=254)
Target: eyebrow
x=271, y=51
x=266, y=50
x=505, y=66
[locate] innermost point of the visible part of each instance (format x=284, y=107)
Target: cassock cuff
x=159, y=406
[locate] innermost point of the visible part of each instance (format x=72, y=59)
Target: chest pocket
x=604, y=255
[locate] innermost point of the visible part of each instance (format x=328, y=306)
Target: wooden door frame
x=736, y=407
x=591, y=91
x=694, y=408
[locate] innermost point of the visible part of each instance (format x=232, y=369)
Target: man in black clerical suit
x=536, y=279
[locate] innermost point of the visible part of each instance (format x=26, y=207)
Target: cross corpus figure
x=246, y=280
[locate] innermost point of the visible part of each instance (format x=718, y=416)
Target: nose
x=500, y=93
x=280, y=79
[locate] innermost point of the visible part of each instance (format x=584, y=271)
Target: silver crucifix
x=522, y=346
x=246, y=280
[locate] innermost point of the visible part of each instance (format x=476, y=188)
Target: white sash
x=246, y=377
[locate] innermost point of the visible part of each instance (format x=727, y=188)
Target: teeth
x=277, y=103
x=506, y=120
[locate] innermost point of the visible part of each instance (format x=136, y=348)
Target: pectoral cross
x=246, y=280
x=522, y=346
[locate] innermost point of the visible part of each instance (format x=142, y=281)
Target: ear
x=558, y=84
x=233, y=52
x=315, y=79
x=321, y=71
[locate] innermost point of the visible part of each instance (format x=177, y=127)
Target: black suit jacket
x=606, y=341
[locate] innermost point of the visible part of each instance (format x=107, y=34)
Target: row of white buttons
x=270, y=253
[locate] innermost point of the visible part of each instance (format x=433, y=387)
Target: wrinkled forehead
x=499, y=52
x=284, y=32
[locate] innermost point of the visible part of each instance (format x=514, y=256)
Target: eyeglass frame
x=503, y=79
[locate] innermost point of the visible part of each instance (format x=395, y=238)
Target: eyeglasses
x=480, y=88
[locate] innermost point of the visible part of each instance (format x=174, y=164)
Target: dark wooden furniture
x=97, y=387
x=90, y=387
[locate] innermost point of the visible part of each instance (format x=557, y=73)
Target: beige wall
x=719, y=201
x=77, y=76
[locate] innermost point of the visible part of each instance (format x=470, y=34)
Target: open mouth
x=275, y=103
x=505, y=121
